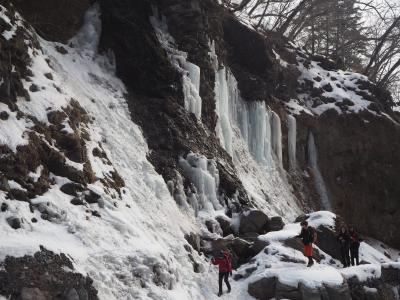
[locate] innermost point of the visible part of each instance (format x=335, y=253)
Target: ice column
x=224, y=126
x=203, y=173
x=318, y=179
x=276, y=137
x=292, y=132
x=191, y=88
x=189, y=71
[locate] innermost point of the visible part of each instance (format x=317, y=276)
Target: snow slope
x=135, y=250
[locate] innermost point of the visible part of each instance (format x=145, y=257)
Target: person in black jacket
x=344, y=241
x=308, y=236
x=354, y=246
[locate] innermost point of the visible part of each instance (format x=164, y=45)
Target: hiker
x=309, y=236
x=354, y=246
x=225, y=269
x=344, y=241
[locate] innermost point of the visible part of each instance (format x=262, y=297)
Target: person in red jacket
x=225, y=269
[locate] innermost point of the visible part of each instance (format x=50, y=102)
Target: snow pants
x=225, y=277
x=345, y=252
x=354, y=256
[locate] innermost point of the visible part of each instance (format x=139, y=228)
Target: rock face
x=44, y=276
x=361, y=173
x=253, y=221
x=44, y=15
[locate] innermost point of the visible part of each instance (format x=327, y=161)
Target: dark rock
x=253, y=221
x=4, y=186
x=61, y=50
x=225, y=225
x=91, y=197
x=263, y=288
x=43, y=276
x=242, y=249
x=275, y=224
x=54, y=21
x=14, y=222
x=77, y=201
x=4, y=207
x=258, y=246
x=72, y=188
x=301, y=218
x=338, y=292
x=328, y=88
x=4, y=115
x=34, y=220
x=96, y=214
x=49, y=76
x=309, y=293
x=327, y=242
x=284, y=291
x=33, y=88
x=348, y=102
x=391, y=273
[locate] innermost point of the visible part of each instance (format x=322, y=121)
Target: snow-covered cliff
x=133, y=151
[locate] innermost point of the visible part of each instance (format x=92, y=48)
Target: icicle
x=318, y=179
x=189, y=71
x=203, y=173
x=276, y=136
x=292, y=132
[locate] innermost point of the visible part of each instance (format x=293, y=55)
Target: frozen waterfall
x=204, y=174
x=292, y=132
x=259, y=126
x=318, y=179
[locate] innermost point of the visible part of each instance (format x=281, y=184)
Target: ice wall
x=276, y=137
x=203, y=173
x=318, y=179
x=292, y=132
x=189, y=71
x=259, y=126
x=223, y=103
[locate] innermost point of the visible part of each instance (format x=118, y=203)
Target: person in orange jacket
x=225, y=269
x=308, y=236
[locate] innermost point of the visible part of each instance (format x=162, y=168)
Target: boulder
x=263, y=288
x=253, y=221
x=391, y=273
x=91, y=197
x=341, y=292
x=225, y=225
x=308, y=293
x=14, y=222
x=242, y=249
x=72, y=188
x=327, y=241
x=276, y=224
x=4, y=207
x=284, y=291
x=258, y=246
x=301, y=218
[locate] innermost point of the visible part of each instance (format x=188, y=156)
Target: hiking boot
x=310, y=263
x=219, y=294
x=229, y=290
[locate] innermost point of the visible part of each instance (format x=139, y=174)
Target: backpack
x=312, y=235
